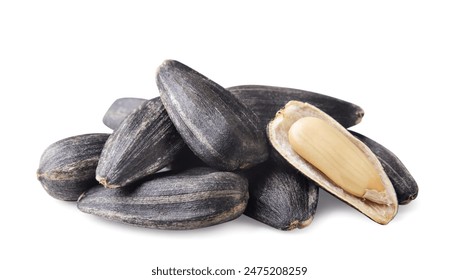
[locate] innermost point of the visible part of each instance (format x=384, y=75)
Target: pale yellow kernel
x=334, y=154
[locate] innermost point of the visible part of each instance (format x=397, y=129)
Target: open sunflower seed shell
x=404, y=184
x=68, y=167
x=217, y=127
x=192, y=199
x=145, y=142
x=279, y=135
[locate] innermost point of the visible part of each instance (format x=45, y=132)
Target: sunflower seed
x=280, y=196
x=265, y=101
x=146, y=142
x=279, y=130
x=404, y=184
x=67, y=168
x=120, y=109
x=214, y=124
x=192, y=199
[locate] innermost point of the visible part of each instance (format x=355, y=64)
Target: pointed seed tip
x=306, y=223
x=293, y=225
x=102, y=180
x=360, y=114
x=168, y=63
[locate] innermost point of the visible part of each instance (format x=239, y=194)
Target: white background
x=62, y=63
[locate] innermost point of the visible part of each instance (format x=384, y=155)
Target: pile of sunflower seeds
x=200, y=155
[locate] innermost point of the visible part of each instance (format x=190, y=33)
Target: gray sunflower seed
x=192, y=199
x=214, y=124
x=146, y=142
x=265, y=101
x=404, y=184
x=280, y=196
x=67, y=168
x=120, y=109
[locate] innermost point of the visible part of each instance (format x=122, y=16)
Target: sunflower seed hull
x=120, y=109
x=280, y=196
x=146, y=142
x=192, y=199
x=265, y=101
x=67, y=168
x=404, y=184
x=214, y=124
